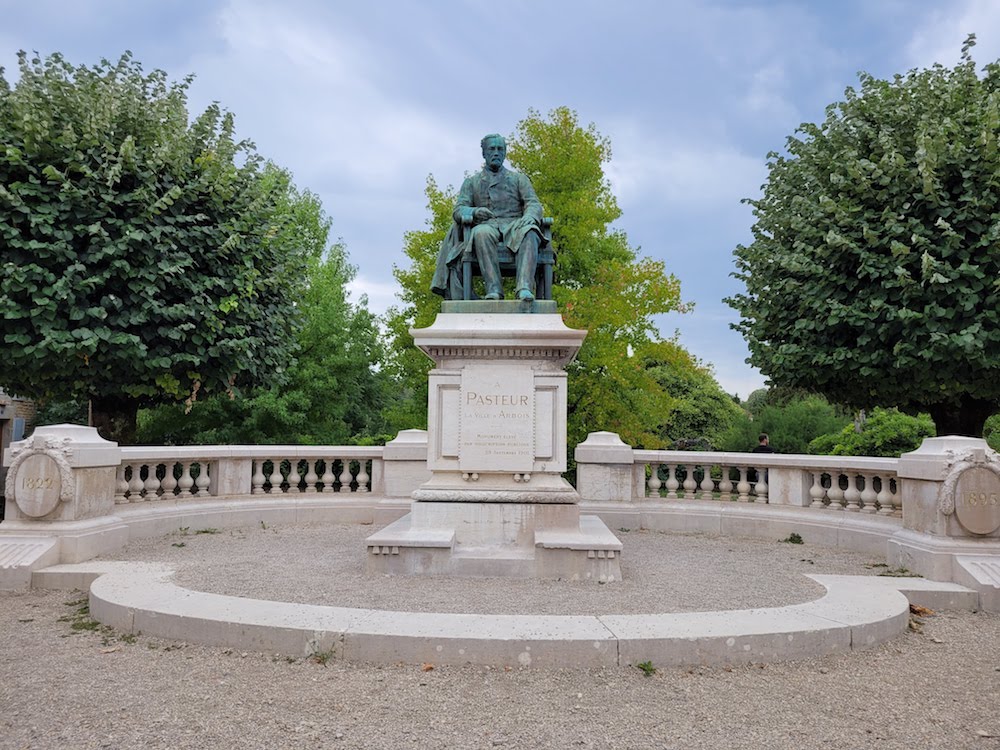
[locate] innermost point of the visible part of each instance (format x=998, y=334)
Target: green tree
x=333, y=392
x=702, y=411
x=601, y=285
x=884, y=432
x=792, y=426
x=872, y=275
x=145, y=258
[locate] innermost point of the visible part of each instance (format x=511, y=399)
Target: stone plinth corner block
x=405, y=463
x=951, y=488
x=604, y=469
x=61, y=473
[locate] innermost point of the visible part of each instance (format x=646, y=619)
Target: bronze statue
x=502, y=210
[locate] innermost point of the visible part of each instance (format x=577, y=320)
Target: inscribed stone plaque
x=37, y=485
x=977, y=500
x=496, y=419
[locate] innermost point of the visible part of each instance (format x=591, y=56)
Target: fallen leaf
x=427, y=667
x=109, y=650
x=916, y=609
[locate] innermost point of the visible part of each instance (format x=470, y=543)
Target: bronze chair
x=508, y=267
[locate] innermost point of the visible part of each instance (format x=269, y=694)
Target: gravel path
x=939, y=688
x=324, y=564
x=60, y=687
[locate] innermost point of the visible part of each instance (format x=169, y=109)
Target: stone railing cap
x=603, y=447
x=408, y=445
x=83, y=446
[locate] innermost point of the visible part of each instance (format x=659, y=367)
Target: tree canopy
x=873, y=272
x=601, y=285
x=333, y=391
x=702, y=412
x=146, y=258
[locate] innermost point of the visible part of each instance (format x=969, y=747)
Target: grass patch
x=322, y=657
x=793, y=538
x=207, y=531
x=646, y=667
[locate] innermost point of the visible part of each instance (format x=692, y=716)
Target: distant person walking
x=763, y=444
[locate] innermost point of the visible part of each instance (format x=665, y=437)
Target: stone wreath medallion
x=971, y=491
x=40, y=477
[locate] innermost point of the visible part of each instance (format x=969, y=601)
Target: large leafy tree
x=702, y=412
x=146, y=257
x=873, y=273
x=333, y=392
x=602, y=285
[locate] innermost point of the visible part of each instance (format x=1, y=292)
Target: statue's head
x=494, y=151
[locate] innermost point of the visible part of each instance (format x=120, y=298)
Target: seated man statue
x=504, y=211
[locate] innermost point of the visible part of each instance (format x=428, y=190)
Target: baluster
x=690, y=485
x=258, y=477
x=186, y=481
x=868, y=494
x=136, y=484
x=816, y=492
x=203, y=480
x=653, y=483
x=760, y=487
x=328, y=477
x=363, y=475
x=707, y=485
x=726, y=485
x=311, y=477
x=851, y=494
x=835, y=494
x=743, y=486
x=121, y=485
x=345, y=477
x=293, y=475
x=885, y=497
x=275, y=479
x=169, y=483
x=151, y=487
x=672, y=483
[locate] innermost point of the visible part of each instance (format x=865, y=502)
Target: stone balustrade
x=850, y=483
x=609, y=471
x=169, y=473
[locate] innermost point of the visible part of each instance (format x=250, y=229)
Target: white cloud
x=683, y=173
x=767, y=94
x=940, y=37
x=381, y=295
x=323, y=83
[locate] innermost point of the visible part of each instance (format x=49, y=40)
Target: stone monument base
x=506, y=539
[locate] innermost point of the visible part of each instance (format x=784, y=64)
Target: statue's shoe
x=525, y=295
x=492, y=295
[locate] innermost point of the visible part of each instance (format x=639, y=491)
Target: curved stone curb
x=856, y=612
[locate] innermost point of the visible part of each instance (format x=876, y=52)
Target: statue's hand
x=482, y=214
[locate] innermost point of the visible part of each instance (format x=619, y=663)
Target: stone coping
x=857, y=612
x=767, y=460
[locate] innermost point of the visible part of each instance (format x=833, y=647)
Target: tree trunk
x=967, y=417
x=114, y=418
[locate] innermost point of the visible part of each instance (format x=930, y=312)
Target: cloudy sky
x=363, y=100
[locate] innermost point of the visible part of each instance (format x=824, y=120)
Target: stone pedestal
x=60, y=499
x=61, y=473
x=951, y=515
x=496, y=503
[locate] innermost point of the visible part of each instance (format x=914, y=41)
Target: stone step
x=19, y=556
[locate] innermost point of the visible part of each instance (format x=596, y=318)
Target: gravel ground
x=938, y=688
x=324, y=564
x=935, y=687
